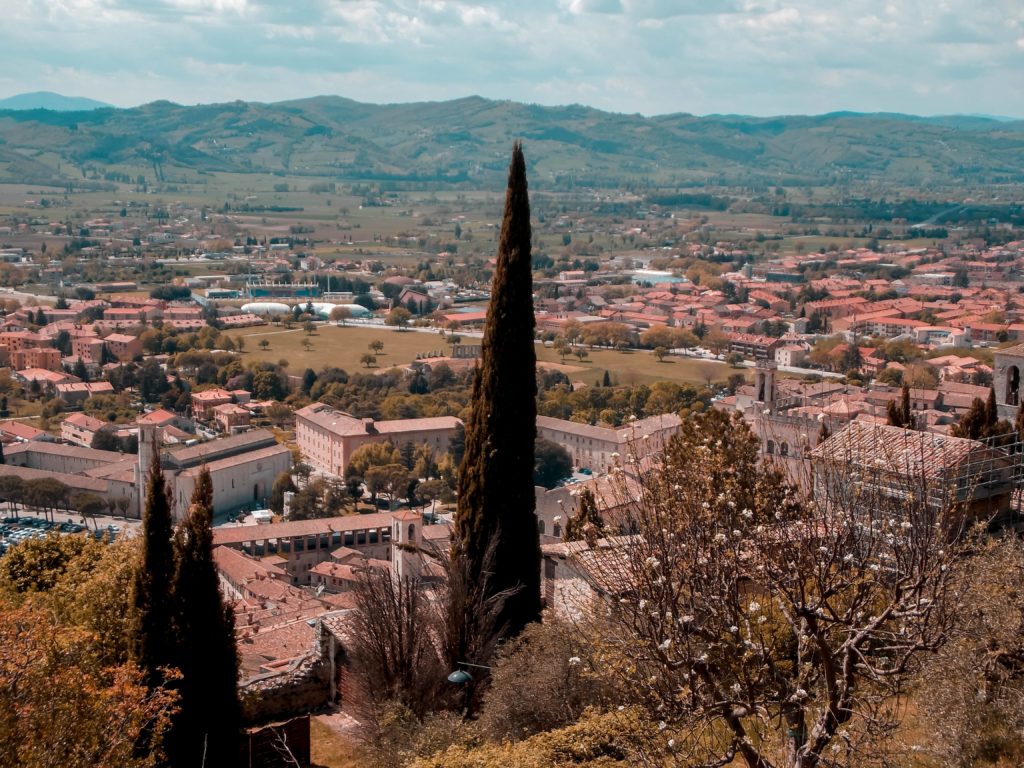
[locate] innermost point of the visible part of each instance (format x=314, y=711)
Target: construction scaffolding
x=985, y=477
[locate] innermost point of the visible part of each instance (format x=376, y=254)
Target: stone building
x=599, y=448
x=1006, y=380
x=243, y=469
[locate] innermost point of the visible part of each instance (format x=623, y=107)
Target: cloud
x=651, y=56
x=596, y=6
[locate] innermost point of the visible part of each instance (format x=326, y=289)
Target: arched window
x=784, y=449
x=540, y=527
x=398, y=531
x=557, y=530
x=770, y=450
x=1013, y=385
x=412, y=532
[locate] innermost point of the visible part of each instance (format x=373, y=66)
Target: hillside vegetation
x=466, y=142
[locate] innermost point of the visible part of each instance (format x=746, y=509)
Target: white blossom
x=754, y=606
x=665, y=644
x=574, y=660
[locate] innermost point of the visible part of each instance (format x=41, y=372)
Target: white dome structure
x=264, y=308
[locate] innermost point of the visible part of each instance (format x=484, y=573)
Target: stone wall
x=303, y=686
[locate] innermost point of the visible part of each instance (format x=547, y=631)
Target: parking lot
x=14, y=530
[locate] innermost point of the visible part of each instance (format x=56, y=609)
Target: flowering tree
x=766, y=627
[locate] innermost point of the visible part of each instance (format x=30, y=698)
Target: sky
x=757, y=57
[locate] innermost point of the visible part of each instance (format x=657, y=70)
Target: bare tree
x=769, y=627
x=395, y=652
x=971, y=692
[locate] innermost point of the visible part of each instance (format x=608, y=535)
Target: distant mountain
x=466, y=142
x=50, y=100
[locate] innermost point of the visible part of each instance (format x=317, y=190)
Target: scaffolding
x=984, y=476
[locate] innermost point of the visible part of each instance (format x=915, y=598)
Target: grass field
x=338, y=346
x=343, y=346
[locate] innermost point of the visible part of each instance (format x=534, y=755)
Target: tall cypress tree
x=208, y=721
x=496, y=523
x=153, y=639
x=991, y=411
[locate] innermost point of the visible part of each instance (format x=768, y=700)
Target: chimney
x=369, y=427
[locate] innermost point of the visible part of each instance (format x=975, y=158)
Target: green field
x=343, y=346
x=338, y=346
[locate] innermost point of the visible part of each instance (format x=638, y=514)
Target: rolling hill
x=466, y=141
x=50, y=100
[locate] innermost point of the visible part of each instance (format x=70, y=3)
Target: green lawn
x=637, y=367
x=343, y=346
x=338, y=346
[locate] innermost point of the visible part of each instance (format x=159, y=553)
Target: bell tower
x=764, y=382
x=149, y=446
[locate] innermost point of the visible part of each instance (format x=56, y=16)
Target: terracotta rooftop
x=78, y=482
x=159, y=417
x=62, y=449
x=241, y=569
x=243, y=533
x=225, y=446
x=344, y=424
x=241, y=458
x=84, y=421
x=900, y=451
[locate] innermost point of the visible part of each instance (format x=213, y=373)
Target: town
x=446, y=472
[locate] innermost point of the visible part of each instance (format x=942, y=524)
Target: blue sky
x=650, y=56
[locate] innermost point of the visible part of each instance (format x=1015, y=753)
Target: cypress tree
x=901, y=415
x=973, y=423
x=153, y=610
x=991, y=411
x=208, y=721
x=496, y=524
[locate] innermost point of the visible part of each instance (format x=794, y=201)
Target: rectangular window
x=361, y=537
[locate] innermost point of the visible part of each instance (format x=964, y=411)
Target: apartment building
x=327, y=437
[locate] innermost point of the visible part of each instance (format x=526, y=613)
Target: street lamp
x=461, y=676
